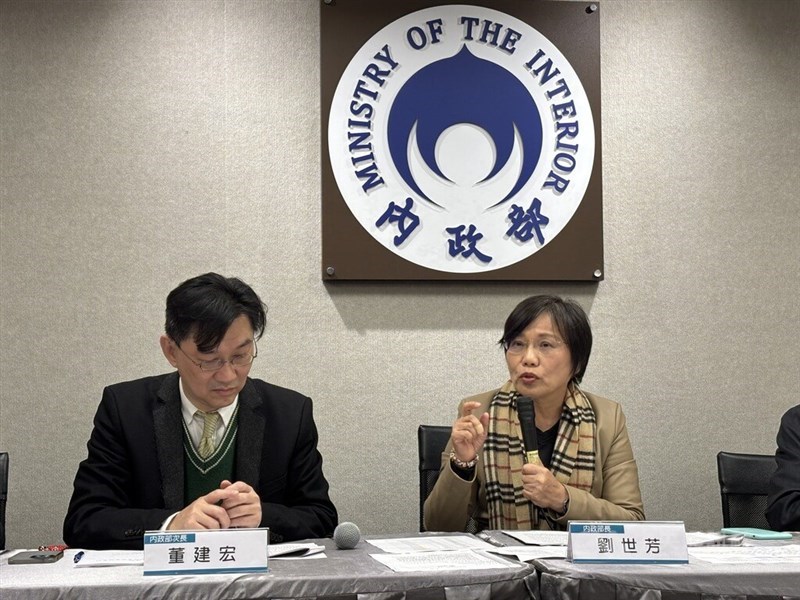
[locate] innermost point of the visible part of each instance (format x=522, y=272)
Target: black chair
x=3, y=496
x=432, y=440
x=743, y=483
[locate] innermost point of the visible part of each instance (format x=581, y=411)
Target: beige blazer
x=614, y=496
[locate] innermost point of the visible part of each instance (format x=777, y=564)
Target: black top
x=546, y=443
x=783, y=510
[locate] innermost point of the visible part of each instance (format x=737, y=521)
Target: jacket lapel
x=169, y=441
x=250, y=437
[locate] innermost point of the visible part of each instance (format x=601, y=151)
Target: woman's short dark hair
x=205, y=306
x=569, y=319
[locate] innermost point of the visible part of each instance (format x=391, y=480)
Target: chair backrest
x=432, y=440
x=743, y=484
x=3, y=497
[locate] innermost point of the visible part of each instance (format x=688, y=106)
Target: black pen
x=78, y=556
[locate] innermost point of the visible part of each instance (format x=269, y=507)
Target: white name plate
x=638, y=542
x=205, y=551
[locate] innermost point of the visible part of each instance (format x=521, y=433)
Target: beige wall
x=143, y=142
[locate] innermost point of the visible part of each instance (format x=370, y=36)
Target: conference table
x=354, y=574
x=560, y=579
x=698, y=580
x=343, y=575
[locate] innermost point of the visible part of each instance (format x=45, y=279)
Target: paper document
x=789, y=553
x=450, y=560
x=295, y=550
x=539, y=538
x=107, y=558
x=429, y=543
x=526, y=553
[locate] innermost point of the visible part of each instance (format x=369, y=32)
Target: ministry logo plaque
x=462, y=140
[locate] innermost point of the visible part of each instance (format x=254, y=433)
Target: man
x=205, y=447
x=783, y=502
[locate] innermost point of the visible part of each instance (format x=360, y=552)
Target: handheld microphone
x=527, y=422
x=346, y=535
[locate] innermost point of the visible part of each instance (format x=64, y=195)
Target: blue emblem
x=464, y=89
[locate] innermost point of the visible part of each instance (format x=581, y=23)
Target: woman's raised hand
x=469, y=432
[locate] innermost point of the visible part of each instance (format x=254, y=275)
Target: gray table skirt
x=344, y=574
x=698, y=580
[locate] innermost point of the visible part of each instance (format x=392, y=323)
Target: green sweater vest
x=203, y=476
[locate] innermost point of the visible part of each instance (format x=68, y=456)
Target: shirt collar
x=188, y=409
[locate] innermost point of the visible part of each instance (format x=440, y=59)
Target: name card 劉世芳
x=632, y=542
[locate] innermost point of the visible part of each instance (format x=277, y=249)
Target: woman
x=588, y=471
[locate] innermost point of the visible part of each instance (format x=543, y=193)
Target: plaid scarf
x=504, y=455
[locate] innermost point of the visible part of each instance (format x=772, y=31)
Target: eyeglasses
x=543, y=347
x=215, y=364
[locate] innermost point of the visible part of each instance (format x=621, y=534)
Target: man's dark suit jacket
x=133, y=478
x=783, y=505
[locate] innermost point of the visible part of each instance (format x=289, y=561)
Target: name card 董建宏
x=206, y=551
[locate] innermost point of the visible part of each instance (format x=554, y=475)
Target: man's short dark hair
x=204, y=307
x=569, y=319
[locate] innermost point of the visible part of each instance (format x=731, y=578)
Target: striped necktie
x=206, y=446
